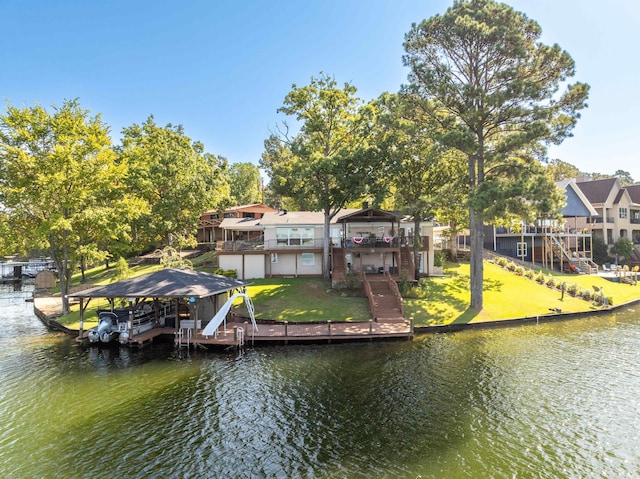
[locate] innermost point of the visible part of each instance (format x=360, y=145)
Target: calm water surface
x=548, y=401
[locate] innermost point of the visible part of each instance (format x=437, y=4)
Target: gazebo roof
x=166, y=283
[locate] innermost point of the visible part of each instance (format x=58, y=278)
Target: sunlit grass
x=305, y=299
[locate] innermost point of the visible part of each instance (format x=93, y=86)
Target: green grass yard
x=506, y=296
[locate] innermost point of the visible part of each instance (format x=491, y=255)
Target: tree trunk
x=416, y=245
x=476, y=265
x=326, y=259
x=64, y=285
x=453, y=239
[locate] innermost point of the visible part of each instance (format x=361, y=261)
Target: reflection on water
x=554, y=400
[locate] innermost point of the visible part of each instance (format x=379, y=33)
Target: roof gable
x=598, y=191
x=368, y=215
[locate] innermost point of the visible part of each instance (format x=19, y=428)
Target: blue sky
x=222, y=68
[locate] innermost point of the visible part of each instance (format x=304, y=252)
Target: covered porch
x=369, y=241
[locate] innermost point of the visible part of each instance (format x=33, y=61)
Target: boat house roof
x=166, y=283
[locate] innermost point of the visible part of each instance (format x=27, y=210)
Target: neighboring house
x=290, y=243
x=618, y=209
x=566, y=244
x=209, y=230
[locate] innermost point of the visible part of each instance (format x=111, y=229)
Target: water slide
x=220, y=317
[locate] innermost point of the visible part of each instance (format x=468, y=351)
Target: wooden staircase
x=384, y=299
x=337, y=265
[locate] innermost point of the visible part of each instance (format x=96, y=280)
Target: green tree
x=561, y=170
x=623, y=247
x=330, y=161
x=494, y=87
x=61, y=185
x=415, y=164
x=245, y=183
x=177, y=180
x=625, y=177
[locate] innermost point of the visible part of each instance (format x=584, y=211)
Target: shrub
x=586, y=294
x=572, y=289
x=439, y=259
x=230, y=273
x=519, y=270
x=550, y=281
x=511, y=266
x=529, y=273
x=501, y=261
x=540, y=277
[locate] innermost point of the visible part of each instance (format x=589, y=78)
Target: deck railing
x=396, y=293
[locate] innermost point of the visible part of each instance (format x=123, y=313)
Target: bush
x=529, y=273
x=501, y=261
x=439, y=259
x=550, y=281
x=586, y=294
x=230, y=273
x=519, y=270
x=511, y=266
x=572, y=289
x=540, y=277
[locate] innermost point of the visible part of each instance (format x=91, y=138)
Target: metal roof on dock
x=166, y=283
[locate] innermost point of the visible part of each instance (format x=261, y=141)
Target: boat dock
x=239, y=333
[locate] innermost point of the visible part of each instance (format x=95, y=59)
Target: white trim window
x=294, y=236
x=521, y=248
x=274, y=258
x=623, y=213
x=308, y=259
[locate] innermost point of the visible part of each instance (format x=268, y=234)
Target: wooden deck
x=285, y=333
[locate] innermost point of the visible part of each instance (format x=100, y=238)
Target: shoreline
x=48, y=308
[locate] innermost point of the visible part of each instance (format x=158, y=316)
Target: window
x=294, y=236
x=274, y=257
x=521, y=250
x=229, y=215
x=248, y=215
x=215, y=216
x=308, y=259
x=623, y=213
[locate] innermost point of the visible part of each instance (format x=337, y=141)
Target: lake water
x=538, y=401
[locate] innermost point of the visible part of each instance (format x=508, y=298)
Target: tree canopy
x=329, y=162
x=61, y=184
x=495, y=89
x=175, y=177
x=245, y=183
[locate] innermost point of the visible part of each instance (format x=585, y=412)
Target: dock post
x=329, y=326
x=286, y=331
x=371, y=326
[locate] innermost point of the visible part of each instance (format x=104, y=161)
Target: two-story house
x=618, y=209
x=290, y=243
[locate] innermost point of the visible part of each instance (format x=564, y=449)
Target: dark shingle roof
x=166, y=283
x=597, y=191
x=634, y=193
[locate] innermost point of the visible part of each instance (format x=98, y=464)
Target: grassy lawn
x=445, y=300
x=305, y=299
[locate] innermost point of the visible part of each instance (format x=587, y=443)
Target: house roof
x=241, y=224
x=166, y=283
x=634, y=193
x=597, y=191
x=368, y=215
x=285, y=217
x=577, y=204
